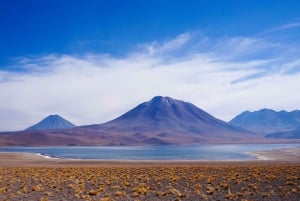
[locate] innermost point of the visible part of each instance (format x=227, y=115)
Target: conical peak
x=167, y=111
x=163, y=103
x=165, y=114
x=52, y=122
x=53, y=116
x=162, y=99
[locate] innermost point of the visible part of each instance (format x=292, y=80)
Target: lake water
x=165, y=152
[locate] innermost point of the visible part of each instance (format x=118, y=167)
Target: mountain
x=164, y=120
x=268, y=121
x=52, y=122
x=291, y=134
x=164, y=113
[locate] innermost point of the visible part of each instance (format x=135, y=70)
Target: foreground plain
x=203, y=182
x=34, y=177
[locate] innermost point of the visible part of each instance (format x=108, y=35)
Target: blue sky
x=36, y=27
x=90, y=61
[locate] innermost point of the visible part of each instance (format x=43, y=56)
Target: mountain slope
x=268, y=121
x=165, y=113
x=52, y=122
x=291, y=134
x=166, y=120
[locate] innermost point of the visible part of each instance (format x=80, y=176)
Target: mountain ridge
x=266, y=121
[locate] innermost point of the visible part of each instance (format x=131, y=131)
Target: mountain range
x=270, y=123
x=162, y=120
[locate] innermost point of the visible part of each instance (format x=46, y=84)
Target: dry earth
x=262, y=182
x=33, y=177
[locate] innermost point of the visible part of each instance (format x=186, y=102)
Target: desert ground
x=274, y=176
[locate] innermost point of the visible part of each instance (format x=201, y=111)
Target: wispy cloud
x=286, y=26
x=223, y=77
x=168, y=47
x=282, y=29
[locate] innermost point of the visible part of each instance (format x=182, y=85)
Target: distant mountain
x=267, y=121
x=291, y=134
x=162, y=120
x=52, y=122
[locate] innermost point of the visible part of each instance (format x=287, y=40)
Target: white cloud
x=285, y=27
x=96, y=88
x=170, y=46
x=290, y=25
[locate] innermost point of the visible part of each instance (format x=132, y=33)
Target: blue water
x=165, y=152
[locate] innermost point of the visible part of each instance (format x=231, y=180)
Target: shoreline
x=276, y=156
x=285, y=154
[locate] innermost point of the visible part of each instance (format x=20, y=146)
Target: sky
x=91, y=61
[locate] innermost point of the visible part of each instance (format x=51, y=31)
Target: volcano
x=52, y=122
x=164, y=120
x=160, y=121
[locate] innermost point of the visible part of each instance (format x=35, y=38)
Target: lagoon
x=163, y=152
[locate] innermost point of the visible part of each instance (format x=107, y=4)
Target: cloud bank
x=223, y=77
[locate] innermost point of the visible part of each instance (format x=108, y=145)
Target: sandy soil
x=274, y=176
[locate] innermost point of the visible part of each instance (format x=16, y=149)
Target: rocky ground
x=203, y=182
